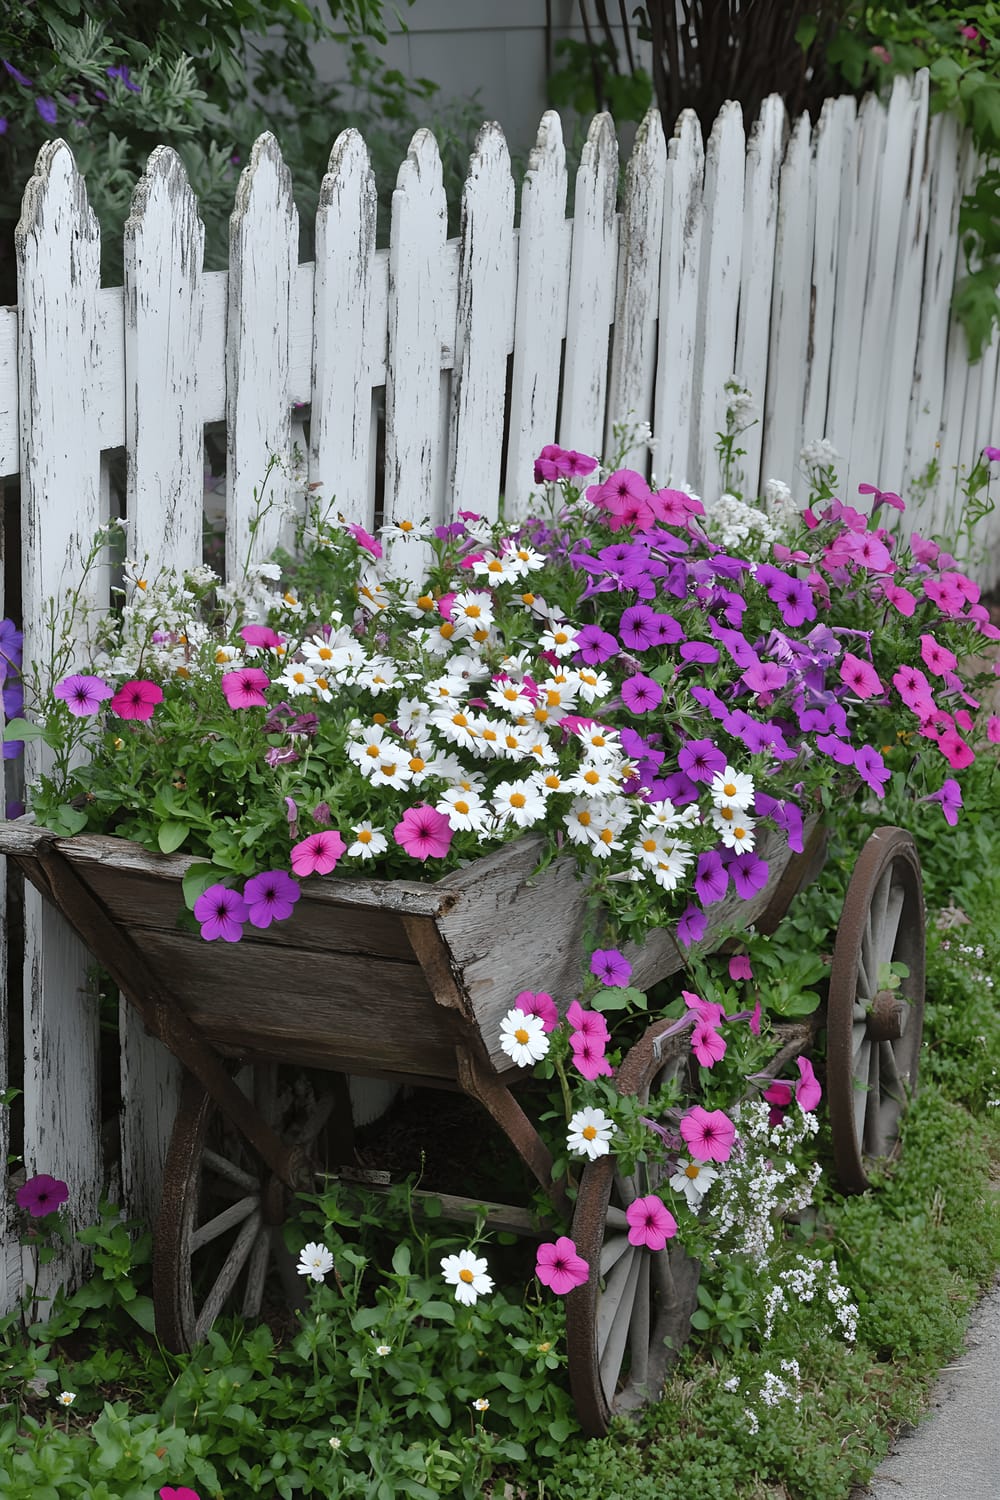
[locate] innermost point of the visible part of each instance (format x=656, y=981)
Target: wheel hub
x=887, y=1017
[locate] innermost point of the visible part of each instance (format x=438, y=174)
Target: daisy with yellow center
x=523, y=1037
x=368, y=841
x=693, y=1179
x=467, y=1273
x=518, y=802
x=590, y=1133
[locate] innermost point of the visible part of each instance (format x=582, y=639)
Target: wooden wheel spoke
x=626, y=1189
x=890, y=925
x=880, y=901
x=638, y=1332
x=253, y=1294
x=614, y=1317
x=892, y=1083
x=871, y=1136
x=225, y=1281
x=229, y=1171
x=227, y=1219
x=315, y=1120
x=867, y=963
x=617, y=1218
x=859, y=1032
x=614, y=1247
x=861, y=1071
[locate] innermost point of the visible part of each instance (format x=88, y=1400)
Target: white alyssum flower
x=467, y=1273
x=315, y=1261
x=523, y=1038
x=590, y=1132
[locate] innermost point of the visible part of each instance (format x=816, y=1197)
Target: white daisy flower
x=580, y=821
x=558, y=695
x=597, y=740
x=590, y=1133
x=733, y=789
x=738, y=834
x=447, y=689
x=297, y=679
x=549, y=780
x=368, y=841
x=456, y=724
x=660, y=817
x=314, y=1261
x=472, y=611
x=464, y=809
x=66, y=1398
x=467, y=1274
x=518, y=802
x=591, y=685
x=509, y=696
x=379, y=676
x=403, y=530
x=368, y=744
x=560, y=640
x=594, y=779
x=670, y=864
x=530, y=560
x=481, y=1403
x=393, y=772
x=497, y=569
x=693, y=1179
x=523, y=1038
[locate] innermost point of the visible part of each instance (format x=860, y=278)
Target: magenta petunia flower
x=611, y=967
x=424, y=833
x=701, y=760
x=709, y=1134
x=246, y=688
x=707, y=1044
x=860, y=676
x=538, y=1003
x=221, y=912
x=81, y=694
x=588, y=1056
x=950, y=798
x=807, y=1091
x=270, y=897
x=41, y=1195
x=739, y=966
x=636, y=627
x=559, y=1267
x=938, y=659
x=754, y=1022
x=561, y=463
x=179, y=1492
x=650, y=1222
x=318, y=854
x=749, y=873
x=365, y=539
x=641, y=694
x=699, y=651
x=136, y=700
x=261, y=635
x=955, y=750
x=779, y=1097
x=992, y=455
x=588, y=1023
x=595, y=645
x=993, y=729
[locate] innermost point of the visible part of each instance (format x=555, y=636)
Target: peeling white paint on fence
x=816, y=264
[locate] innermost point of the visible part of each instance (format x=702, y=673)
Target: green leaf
x=21, y=729
x=68, y=820
x=401, y=1260
x=142, y=1310
x=196, y=882
x=619, y=999
x=171, y=835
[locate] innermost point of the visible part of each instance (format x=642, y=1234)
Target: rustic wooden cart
x=410, y=981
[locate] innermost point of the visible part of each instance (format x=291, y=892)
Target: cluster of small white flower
x=750, y=1198
x=804, y=1281
x=741, y=411
x=779, y=503
x=819, y=454
x=774, y=1389
x=737, y=526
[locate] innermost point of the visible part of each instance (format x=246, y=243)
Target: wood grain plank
x=591, y=304
x=683, y=210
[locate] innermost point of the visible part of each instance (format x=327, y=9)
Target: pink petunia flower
x=779, y=1097
x=82, y=694
x=221, y=912
x=41, y=1195
x=246, y=688
x=650, y=1222
x=424, y=833
x=588, y=1056
x=709, y=1134
x=955, y=750
x=754, y=1022
x=538, y=1003
x=807, y=1091
x=950, y=797
x=739, y=966
x=993, y=729
x=992, y=455
x=270, y=897
x=136, y=700
x=588, y=1023
x=559, y=1267
x=900, y=598
x=318, y=854
x=912, y=686
x=707, y=1044
x=936, y=657
x=860, y=676
x=180, y=1492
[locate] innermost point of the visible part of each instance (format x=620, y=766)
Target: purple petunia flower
x=41, y=1195
x=595, y=645
x=699, y=651
x=121, y=73
x=82, y=694
x=611, y=967
x=837, y=749
x=691, y=927
x=701, y=760
x=636, y=627
x=17, y=75
x=270, y=897
x=872, y=769
x=641, y=694
x=47, y=109
x=950, y=798
x=712, y=879
x=749, y=874
x=221, y=912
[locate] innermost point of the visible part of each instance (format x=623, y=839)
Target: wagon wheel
x=221, y=1210
x=625, y=1327
x=874, y=1030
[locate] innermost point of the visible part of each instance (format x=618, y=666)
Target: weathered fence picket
x=814, y=263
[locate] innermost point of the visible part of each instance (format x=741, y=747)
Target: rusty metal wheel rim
x=873, y=1044
x=208, y=1165
x=626, y=1325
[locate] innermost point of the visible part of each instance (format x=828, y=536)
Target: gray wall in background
x=492, y=48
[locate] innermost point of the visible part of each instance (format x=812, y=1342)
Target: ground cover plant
x=453, y=1341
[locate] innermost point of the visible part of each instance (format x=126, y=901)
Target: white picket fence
x=815, y=264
